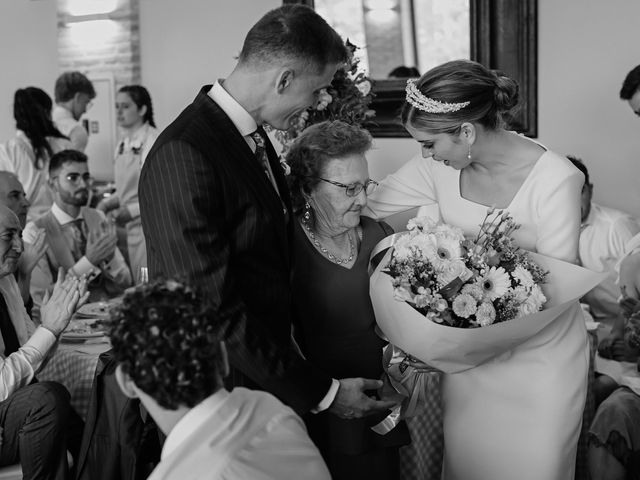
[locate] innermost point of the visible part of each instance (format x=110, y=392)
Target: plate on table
x=80, y=330
x=95, y=309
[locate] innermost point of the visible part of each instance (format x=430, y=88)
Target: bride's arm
x=411, y=186
x=559, y=217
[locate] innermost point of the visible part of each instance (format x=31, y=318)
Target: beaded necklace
x=330, y=255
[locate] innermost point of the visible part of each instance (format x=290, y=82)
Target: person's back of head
x=292, y=33
x=630, y=90
x=579, y=164
x=69, y=84
x=166, y=341
x=32, y=113
x=456, y=92
x=404, y=72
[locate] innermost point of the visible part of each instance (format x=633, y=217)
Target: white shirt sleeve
x=18, y=369
x=411, y=186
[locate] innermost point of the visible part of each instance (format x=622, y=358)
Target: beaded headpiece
x=429, y=105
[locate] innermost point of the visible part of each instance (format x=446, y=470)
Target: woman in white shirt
x=36, y=140
x=135, y=118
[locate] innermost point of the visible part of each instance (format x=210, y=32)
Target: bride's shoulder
x=557, y=167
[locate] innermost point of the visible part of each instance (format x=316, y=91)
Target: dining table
x=73, y=361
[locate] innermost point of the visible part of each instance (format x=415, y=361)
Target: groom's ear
x=284, y=80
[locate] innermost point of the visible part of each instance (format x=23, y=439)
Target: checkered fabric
x=74, y=366
x=422, y=459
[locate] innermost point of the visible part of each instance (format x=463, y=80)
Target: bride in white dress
x=517, y=416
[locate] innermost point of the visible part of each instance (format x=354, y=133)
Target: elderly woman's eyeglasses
x=353, y=189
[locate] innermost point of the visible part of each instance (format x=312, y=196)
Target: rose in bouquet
x=448, y=303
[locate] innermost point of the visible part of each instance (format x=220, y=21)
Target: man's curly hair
x=165, y=338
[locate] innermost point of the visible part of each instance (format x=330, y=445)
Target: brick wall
x=106, y=42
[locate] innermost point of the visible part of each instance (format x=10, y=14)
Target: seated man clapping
x=79, y=239
x=33, y=416
x=170, y=356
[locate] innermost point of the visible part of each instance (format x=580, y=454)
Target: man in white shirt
x=604, y=235
x=170, y=357
x=79, y=239
x=33, y=417
x=73, y=95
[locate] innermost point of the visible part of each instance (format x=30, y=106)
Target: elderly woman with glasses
x=329, y=184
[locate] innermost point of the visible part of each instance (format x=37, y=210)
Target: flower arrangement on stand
x=347, y=99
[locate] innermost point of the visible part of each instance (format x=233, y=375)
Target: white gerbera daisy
x=464, y=305
x=522, y=276
x=486, y=314
x=495, y=283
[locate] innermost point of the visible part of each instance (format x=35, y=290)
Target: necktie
x=79, y=238
x=8, y=331
x=261, y=154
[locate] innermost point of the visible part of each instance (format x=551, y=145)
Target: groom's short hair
x=293, y=32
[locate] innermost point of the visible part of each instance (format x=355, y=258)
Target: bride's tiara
x=429, y=105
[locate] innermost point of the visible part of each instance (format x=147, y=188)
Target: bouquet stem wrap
x=406, y=380
x=451, y=350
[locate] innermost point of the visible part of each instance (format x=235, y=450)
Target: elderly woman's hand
x=68, y=293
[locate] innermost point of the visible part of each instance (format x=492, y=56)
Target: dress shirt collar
x=61, y=216
x=60, y=113
x=192, y=420
x=242, y=120
x=137, y=138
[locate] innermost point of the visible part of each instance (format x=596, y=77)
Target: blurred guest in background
x=12, y=196
x=404, y=72
x=73, y=93
x=34, y=417
x=604, y=235
x=79, y=239
x=135, y=118
x=37, y=139
x=170, y=356
x=329, y=186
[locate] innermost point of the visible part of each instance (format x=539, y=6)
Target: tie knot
x=258, y=138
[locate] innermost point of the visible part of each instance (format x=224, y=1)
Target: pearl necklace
x=330, y=255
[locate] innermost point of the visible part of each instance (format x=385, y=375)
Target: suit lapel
x=250, y=172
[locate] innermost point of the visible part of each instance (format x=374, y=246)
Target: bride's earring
x=469, y=154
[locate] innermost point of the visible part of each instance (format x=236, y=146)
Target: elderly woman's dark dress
x=336, y=331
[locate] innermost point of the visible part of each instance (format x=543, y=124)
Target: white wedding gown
x=518, y=416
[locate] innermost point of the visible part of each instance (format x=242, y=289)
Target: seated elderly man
x=604, y=236
x=79, y=239
x=12, y=196
x=170, y=357
x=33, y=416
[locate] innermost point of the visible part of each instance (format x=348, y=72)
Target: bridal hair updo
x=316, y=146
x=490, y=94
x=293, y=32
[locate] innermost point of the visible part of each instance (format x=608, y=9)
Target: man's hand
x=352, y=402
x=57, y=309
x=33, y=252
x=629, y=282
x=615, y=348
x=107, y=204
x=122, y=216
x=101, y=243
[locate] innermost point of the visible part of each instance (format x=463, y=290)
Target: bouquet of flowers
x=346, y=99
x=466, y=283
x=447, y=303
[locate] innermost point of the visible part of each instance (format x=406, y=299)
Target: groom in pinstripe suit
x=212, y=211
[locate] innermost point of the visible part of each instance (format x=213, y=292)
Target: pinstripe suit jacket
x=210, y=213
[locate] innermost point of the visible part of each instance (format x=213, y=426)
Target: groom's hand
x=352, y=401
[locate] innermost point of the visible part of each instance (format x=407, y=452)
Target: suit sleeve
x=182, y=210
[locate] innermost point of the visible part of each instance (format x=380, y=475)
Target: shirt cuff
x=85, y=267
x=134, y=210
x=42, y=340
x=328, y=398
